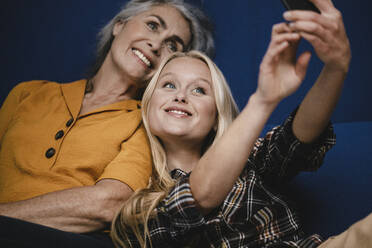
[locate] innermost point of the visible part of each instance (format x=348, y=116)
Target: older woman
x=70, y=153
x=216, y=184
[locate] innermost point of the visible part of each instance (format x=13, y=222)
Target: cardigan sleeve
x=132, y=165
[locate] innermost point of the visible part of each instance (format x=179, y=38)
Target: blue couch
x=340, y=192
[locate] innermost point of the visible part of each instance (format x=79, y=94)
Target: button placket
x=52, y=151
x=59, y=134
x=69, y=122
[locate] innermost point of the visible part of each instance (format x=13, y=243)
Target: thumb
x=302, y=64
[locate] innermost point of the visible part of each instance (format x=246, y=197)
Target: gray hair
x=200, y=26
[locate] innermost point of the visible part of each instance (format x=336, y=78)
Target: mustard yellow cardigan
x=45, y=146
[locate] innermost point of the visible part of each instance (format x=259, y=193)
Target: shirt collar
x=178, y=173
x=74, y=95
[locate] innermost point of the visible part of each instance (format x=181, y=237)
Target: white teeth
x=178, y=112
x=142, y=57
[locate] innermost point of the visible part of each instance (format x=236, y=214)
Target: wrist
x=340, y=66
x=260, y=103
x=258, y=108
x=341, y=69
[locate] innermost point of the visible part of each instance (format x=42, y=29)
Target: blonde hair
x=140, y=207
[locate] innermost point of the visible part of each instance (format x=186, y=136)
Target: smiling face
x=183, y=105
x=145, y=39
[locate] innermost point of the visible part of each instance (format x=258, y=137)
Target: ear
x=215, y=125
x=118, y=27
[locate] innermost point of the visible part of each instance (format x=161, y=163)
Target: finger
x=280, y=28
x=301, y=15
x=310, y=28
x=279, y=42
x=273, y=51
x=314, y=40
x=290, y=37
x=323, y=5
x=272, y=54
x=302, y=64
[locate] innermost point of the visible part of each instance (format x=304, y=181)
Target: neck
x=181, y=156
x=110, y=83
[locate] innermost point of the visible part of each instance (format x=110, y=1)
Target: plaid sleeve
x=281, y=155
x=312, y=241
x=177, y=217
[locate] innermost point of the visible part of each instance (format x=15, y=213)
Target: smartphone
x=300, y=5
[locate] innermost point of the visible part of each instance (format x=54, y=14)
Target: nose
x=155, y=47
x=180, y=98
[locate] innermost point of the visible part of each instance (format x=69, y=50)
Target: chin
x=176, y=133
x=171, y=135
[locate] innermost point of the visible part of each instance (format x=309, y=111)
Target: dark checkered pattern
x=255, y=213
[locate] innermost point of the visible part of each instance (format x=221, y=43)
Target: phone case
x=300, y=4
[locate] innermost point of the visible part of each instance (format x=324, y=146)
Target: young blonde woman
x=231, y=198
x=215, y=184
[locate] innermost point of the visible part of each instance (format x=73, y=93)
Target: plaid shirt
x=254, y=214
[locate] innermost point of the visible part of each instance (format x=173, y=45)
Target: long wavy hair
x=141, y=206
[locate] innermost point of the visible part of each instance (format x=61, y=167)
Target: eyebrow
x=162, y=22
x=205, y=80
x=198, y=78
x=164, y=26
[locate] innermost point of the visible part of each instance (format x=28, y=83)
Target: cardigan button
x=69, y=122
x=50, y=152
x=59, y=134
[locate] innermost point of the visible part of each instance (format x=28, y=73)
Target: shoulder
x=24, y=88
x=34, y=84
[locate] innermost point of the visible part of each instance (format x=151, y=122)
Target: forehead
x=187, y=67
x=174, y=20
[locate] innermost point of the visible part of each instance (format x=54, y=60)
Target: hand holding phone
x=300, y=5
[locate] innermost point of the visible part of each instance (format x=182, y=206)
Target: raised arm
x=326, y=33
x=280, y=75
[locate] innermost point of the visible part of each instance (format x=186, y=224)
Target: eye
x=169, y=85
x=152, y=25
x=172, y=46
x=199, y=90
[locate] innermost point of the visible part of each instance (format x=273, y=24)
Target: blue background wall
x=55, y=40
